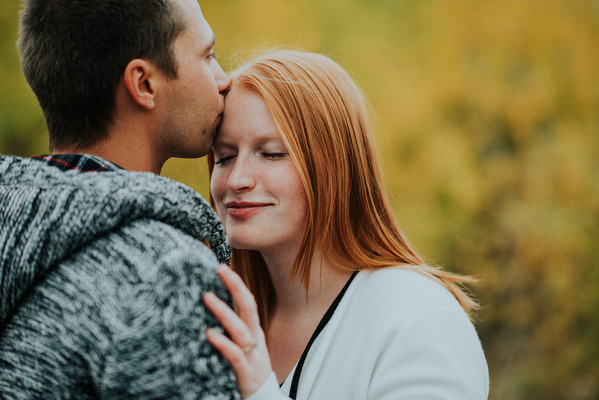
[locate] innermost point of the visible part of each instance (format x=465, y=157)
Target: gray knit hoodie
x=101, y=284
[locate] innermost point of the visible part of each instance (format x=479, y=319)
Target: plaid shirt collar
x=78, y=162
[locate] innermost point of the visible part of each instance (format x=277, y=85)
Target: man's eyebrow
x=212, y=43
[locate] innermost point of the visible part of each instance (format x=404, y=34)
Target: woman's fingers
x=238, y=330
x=250, y=372
x=242, y=297
x=227, y=348
x=246, y=348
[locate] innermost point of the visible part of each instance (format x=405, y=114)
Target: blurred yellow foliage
x=487, y=121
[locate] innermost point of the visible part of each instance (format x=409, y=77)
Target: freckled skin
x=254, y=169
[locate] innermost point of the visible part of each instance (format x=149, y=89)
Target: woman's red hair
x=323, y=120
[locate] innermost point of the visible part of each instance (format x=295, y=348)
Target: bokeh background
x=487, y=122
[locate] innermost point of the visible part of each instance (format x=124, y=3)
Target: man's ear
x=141, y=80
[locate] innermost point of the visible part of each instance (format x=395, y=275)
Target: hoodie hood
x=47, y=214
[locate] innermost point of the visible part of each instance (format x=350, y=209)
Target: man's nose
x=222, y=80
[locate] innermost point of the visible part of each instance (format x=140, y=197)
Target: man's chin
x=197, y=149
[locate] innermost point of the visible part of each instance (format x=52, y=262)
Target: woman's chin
x=242, y=244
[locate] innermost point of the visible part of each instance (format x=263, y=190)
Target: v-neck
x=321, y=325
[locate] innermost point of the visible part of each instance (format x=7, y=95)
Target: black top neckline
x=321, y=325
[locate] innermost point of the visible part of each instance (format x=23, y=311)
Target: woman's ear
x=140, y=80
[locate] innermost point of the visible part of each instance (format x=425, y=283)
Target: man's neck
x=130, y=156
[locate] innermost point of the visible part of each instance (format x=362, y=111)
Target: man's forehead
x=195, y=24
x=188, y=11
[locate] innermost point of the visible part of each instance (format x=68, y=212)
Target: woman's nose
x=242, y=175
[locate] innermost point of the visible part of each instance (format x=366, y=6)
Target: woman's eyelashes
x=223, y=159
x=274, y=155
x=269, y=155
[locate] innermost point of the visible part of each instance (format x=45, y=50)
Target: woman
x=344, y=308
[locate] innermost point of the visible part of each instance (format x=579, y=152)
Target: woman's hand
x=246, y=349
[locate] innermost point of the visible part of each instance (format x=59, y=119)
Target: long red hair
x=323, y=119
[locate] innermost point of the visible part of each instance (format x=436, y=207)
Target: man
x=102, y=274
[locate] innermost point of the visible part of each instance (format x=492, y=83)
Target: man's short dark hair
x=74, y=53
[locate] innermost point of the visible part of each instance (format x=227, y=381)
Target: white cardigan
x=396, y=335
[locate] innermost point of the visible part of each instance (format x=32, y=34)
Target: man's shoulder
x=131, y=306
x=48, y=216
x=150, y=244
x=97, y=203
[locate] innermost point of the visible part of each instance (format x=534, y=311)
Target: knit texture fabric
x=101, y=284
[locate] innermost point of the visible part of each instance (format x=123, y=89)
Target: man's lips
x=244, y=209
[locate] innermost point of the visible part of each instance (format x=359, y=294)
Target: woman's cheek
x=217, y=190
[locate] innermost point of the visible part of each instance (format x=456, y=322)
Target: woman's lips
x=244, y=210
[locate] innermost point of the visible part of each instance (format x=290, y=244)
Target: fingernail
x=223, y=269
x=209, y=295
x=224, y=266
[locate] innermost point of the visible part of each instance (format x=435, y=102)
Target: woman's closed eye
x=223, y=159
x=274, y=156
